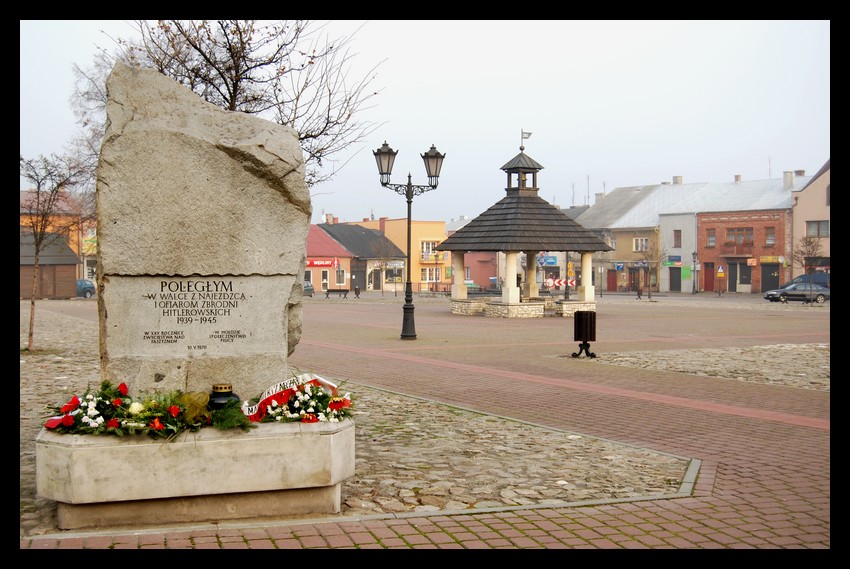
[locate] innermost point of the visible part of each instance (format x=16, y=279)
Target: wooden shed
x=57, y=268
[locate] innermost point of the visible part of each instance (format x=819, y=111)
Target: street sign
x=720, y=271
x=541, y=260
x=560, y=282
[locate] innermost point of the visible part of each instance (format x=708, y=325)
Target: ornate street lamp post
x=385, y=156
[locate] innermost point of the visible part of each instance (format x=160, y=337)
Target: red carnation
x=156, y=424
x=112, y=424
x=117, y=402
x=122, y=389
x=174, y=410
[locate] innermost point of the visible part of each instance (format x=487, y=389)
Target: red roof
x=320, y=244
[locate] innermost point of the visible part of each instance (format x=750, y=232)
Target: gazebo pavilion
x=520, y=222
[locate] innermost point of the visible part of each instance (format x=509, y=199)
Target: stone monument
x=202, y=225
x=202, y=221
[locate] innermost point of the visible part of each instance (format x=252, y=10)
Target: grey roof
x=455, y=224
x=522, y=161
x=640, y=206
x=575, y=210
x=54, y=251
x=363, y=242
x=523, y=221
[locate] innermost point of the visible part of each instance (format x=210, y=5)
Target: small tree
x=652, y=257
x=807, y=247
x=44, y=210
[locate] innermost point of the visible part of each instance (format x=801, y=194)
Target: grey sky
x=609, y=103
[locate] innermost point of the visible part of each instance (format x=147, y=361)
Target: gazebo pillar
x=586, y=290
x=459, y=289
x=510, y=291
x=531, y=289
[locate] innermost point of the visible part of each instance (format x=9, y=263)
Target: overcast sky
x=608, y=103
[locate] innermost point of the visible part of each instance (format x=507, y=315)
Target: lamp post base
x=408, y=326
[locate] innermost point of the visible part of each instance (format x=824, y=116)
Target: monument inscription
x=194, y=316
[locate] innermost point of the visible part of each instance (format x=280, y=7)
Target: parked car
x=817, y=278
x=308, y=289
x=804, y=292
x=85, y=288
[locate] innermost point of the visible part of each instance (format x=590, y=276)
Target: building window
x=817, y=229
x=640, y=244
x=340, y=277
x=739, y=236
x=427, y=250
x=394, y=274
x=710, y=238
x=769, y=236
x=612, y=242
x=677, y=238
x=308, y=276
x=430, y=274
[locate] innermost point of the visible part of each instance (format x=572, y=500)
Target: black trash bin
x=357, y=292
x=584, y=330
x=585, y=326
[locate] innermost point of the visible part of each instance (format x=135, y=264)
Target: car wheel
x=783, y=299
x=820, y=299
x=87, y=294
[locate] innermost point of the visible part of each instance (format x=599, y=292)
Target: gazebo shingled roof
x=523, y=221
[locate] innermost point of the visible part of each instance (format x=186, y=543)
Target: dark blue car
x=85, y=288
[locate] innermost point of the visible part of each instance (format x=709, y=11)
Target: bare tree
x=807, y=248
x=287, y=71
x=45, y=207
x=652, y=257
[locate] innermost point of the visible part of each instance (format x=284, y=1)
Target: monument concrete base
x=273, y=470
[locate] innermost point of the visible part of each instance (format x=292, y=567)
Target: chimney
x=382, y=224
x=366, y=219
x=788, y=179
x=799, y=173
x=329, y=218
x=737, y=178
x=677, y=179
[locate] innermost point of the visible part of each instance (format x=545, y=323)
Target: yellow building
x=430, y=270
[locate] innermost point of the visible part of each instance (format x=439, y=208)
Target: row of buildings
x=737, y=236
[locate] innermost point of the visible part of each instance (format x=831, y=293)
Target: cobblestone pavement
x=421, y=456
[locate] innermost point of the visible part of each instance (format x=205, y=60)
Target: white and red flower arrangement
x=306, y=398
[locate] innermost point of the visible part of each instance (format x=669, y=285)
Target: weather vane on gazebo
x=525, y=136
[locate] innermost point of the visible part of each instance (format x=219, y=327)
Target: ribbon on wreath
x=256, y=412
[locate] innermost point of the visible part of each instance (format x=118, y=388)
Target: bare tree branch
x=285, y=70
